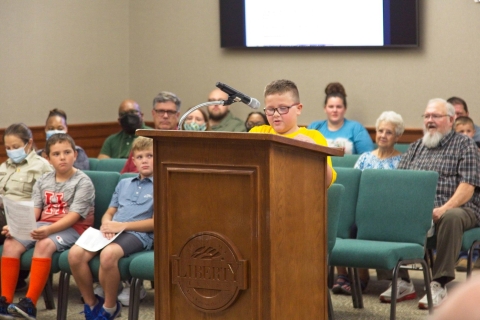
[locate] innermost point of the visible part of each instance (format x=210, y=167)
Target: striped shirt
x=456, y=159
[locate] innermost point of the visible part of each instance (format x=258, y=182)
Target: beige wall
x=86, y=56
x=72, y=55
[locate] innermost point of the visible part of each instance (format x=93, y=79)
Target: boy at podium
x=282, y=108
x=131, y=213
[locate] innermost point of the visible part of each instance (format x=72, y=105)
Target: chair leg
x=426, y=277
x=134, y=307
x=63, y=286
x=393, y=297
x=48, y=294
x=331, y=275
x=357, y=298
x=331, y=315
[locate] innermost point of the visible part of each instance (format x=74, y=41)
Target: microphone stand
x=227, y=102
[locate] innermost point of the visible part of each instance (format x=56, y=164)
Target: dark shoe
x=3, y=309
x=24, y=308
x=342, y=285
x=91, y=314
x=21, y=285
x=104, y=315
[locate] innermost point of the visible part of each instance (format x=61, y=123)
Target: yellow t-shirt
x=314, y=134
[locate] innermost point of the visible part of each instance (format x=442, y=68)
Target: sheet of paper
x=20, y=218
x=93, y=240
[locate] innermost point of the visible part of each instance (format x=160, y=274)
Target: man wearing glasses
x=221, y=119
x=457, y=202
x=165, y=113
x=118, y=145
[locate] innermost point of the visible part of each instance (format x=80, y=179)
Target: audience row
x=63, y=203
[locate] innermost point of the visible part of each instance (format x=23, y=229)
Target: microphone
x=233, y=93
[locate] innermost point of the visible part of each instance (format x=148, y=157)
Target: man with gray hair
x=166, y=111
x=457, y=202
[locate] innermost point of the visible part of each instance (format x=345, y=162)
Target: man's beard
x=218, y=117
x=431, y=140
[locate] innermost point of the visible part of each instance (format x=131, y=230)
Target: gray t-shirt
x=56, y=199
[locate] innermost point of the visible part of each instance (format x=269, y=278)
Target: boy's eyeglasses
x=161, y=112
x=280, y=110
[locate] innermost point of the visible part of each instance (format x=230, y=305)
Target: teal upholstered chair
x=115, y=165
x=402, y=147
x=104, y=183
x=350, y=179
x=93, y=163
x=335, y=193
x=347, y=161
x=393, y=215
x=141, y=268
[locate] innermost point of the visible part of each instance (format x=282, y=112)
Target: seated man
x=118, y=145
x=165, y=113
x=221, y=119
x=456, y=159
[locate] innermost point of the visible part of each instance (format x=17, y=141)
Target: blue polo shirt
x=133, y=199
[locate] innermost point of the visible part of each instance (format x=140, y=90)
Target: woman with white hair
x=389, y=129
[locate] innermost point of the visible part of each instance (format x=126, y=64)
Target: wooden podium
x=240, y=226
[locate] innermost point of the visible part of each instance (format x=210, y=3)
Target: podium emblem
x=209, y=271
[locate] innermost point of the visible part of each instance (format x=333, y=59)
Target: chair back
x=347, y=161
x=92, y=164
x=115, y=165
x=350, y=179
x=104, y=183
x=395, y=205
x=335, y=193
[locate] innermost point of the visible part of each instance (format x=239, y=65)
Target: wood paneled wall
x=90, y=136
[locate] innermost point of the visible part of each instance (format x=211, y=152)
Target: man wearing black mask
x=130, y=118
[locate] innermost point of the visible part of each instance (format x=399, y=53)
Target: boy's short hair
x=463, y=121
x=58, y=138
x=142, y=143
x=282, y=86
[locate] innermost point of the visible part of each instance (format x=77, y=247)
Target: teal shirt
x=118, y=145
x=230, y=124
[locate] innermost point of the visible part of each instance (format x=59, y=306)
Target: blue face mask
x=193, y=126
x=17, y=155
x=50, y=133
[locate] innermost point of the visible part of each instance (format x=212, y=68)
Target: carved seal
x=209, y=271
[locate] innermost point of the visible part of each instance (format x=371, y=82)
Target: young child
x=131, y=210
x=464, y=125
x=63, y=206
x=282, y=107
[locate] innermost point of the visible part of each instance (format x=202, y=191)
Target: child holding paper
x=63, y=206
x=130, y=210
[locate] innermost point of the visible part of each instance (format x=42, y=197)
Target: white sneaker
x=124, y=296
x=438, y=295
x=98, y=290
x=405, y=291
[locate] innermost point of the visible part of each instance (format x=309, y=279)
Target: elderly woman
x=389, y=128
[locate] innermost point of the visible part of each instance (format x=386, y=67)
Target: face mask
x=50, y=133
x=193, y=126
x=17, y=155
x=130, y=123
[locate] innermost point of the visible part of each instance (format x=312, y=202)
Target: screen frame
x=401, y=22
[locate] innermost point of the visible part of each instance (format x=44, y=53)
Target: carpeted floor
x=342, y=304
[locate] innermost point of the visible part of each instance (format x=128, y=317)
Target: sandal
x=342, y=285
